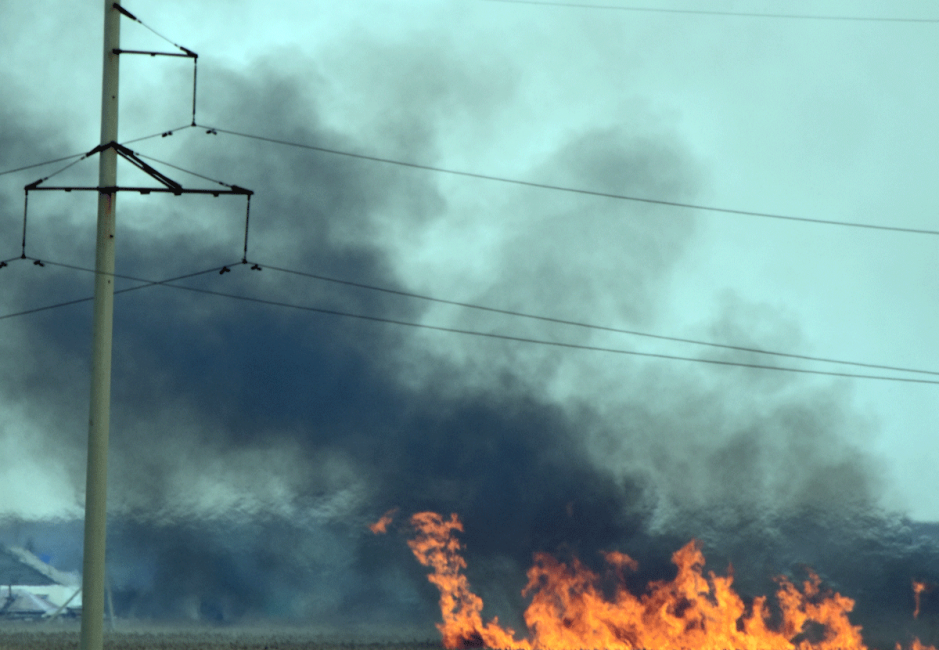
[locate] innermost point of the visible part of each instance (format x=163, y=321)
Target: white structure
x=32, y=589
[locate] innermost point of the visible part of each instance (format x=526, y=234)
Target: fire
x=436, y=546
x=380, y=527
x=918, y=588
x=694, y=611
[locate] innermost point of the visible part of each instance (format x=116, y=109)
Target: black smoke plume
x=252, y=444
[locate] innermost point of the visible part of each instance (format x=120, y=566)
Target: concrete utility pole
x=96, y=490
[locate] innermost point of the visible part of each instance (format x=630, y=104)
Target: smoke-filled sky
x=317, y=424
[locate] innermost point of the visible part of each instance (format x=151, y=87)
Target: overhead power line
x=134, y=18
x=575, y=190
x=162, y=134
x=491, y=335
x=85, y=153
x=146, y=284
x=705, y=12
x=47, y=162
x=521, y=339
x=187, y=171
x=602, y=328
x=513, y=181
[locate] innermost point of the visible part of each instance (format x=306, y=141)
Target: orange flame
x=462, y=627
x=569, y=611
x=918, y=588
x=380, y=527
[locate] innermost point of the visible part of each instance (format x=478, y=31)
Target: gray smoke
x=251, y=445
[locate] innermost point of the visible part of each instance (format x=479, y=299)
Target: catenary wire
x=186, y=171
x=59, y=171
x=146, y=284
x=705, y=12
x=560, y=188
x=452, y=330
x=521, y=339
x=48, y=162
x=163, y=133
x=134, y=18
x=602, y=328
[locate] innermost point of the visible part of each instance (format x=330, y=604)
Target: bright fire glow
x=918, y=588
x=694, y=611
x=380, y=527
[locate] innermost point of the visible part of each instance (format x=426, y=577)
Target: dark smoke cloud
x=252, y=445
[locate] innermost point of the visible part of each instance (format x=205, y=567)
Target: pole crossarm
x=189, y=54
x=170, y=186
x=146, y=190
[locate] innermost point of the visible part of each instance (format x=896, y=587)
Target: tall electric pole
x=96, y=490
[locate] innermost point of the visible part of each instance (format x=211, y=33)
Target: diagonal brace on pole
x=131, y=157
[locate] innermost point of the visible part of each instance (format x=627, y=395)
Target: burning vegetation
x=918, y=589
x=570, y=608
x=380, y=527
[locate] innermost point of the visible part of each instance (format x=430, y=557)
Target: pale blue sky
x=822, y=119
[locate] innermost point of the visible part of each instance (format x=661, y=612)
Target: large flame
x=919, y=588
x=694, y=611
x=436, y=546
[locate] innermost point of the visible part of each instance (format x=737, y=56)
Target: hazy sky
x=221, y=405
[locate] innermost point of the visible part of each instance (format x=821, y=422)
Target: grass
x=39, y=636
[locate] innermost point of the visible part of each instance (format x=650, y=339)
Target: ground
x=42, y=636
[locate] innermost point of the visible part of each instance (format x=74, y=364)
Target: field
x=38, y=636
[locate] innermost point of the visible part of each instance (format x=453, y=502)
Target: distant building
x=32, y=589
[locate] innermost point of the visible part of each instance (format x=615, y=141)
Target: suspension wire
x=492, y=335
x=25, y=205
x=244, y=258
x=55, y=173
x=146, y=284
x=163, y=162
x=602, y=328
x=47, y=307
x=520, y=339
x=195, y=67
x=701, y=12
x=85, y=154
x=134, y=18
x=574, y=190
x=121, y=276
x=48, y=162
x=74, y=162
x=161, y=133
